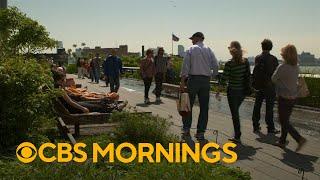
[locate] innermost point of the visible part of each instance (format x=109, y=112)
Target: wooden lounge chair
x=79, y=119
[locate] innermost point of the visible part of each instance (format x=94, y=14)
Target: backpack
x=260, y=78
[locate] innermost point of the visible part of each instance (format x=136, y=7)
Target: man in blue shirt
x=112, y=67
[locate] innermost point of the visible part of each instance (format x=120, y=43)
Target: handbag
x=183, y=104
x=303, y=90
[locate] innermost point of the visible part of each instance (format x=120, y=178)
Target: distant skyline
x=110, y=23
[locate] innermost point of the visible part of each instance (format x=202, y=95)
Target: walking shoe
x=146, y=101
x=203, y=142
x=257, y=130
x=186, y=137
x=301, y=143
x=235, y=140
x=158, y=100
x=279, y=144
x=273, y=131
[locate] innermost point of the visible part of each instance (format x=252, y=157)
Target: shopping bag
x=303, y=90
x=183, y=104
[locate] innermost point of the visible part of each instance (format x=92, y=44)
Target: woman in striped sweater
x=236, y=73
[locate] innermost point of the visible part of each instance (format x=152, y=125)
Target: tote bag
x=183, y=104
x=303, y=90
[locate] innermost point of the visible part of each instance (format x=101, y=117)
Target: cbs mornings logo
x=26, y=152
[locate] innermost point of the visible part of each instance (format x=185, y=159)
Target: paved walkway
x=257, y=154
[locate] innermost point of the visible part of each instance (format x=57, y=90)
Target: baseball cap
x=197, y=34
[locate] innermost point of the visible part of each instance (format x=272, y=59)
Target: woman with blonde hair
x=237, y=75
x=285, y=79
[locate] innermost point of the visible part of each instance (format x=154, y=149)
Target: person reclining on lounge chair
x=74, y=107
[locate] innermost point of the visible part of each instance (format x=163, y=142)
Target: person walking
x=170, y=75
x=199, y=65
x=112, y=70
x=265, y=65
x=285, y=79
x=147, y=71
x=91, y=71
x=95, y=67
x=79, y=68
x=237, y=74
x=160, y=62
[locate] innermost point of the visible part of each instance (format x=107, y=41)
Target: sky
x=110, y=23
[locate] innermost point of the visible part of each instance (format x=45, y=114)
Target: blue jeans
x=235, y=99
x=198, y=85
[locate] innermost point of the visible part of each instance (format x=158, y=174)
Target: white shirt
x=199, y=60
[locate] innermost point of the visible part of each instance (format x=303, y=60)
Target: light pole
x=3, y=4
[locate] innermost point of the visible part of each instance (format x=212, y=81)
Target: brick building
x=121, y=51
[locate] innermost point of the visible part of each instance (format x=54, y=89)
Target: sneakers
x=281, y=145
x=257, y=130
x=301, y=143
x=158, y=100
x=273, y=131
x=235, y=140
x=146, y=101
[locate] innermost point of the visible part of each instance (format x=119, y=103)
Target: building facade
x=308, y=59
x=122, y=50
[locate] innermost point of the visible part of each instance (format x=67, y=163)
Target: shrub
x=72, y=69
x=189, y=170
x=138, y=128
x=25, y=95
x=12, y=169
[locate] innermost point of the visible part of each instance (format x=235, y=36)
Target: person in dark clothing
x=160, y=63
x=112, y=70
x=236, y=72
x=95, y=67
x=265, y=65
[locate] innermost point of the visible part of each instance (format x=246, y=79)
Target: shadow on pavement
x=299, y=161
x=245, y=151
x=146, y=105
x=267, y=138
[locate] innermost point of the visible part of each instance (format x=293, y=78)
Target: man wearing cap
x=199, y=65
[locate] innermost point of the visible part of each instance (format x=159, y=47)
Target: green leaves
x=21, y=34
x=26, y=91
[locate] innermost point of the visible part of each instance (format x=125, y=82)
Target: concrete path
x=257, y=154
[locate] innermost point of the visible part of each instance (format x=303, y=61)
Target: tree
x=83, y=44
x=74, y=45
x=69, y=51
x=20, y=34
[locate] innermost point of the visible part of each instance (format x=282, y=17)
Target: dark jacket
x=112, y=66
x=270, y=63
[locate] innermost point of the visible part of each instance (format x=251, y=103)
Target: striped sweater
x=236, y=74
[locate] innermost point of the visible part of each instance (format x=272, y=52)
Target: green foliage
x=140, y=124
x=25, y=94
x=189, y=170
x=137, y=128
x=72, y=69
x=21, y=34
x=314, y=99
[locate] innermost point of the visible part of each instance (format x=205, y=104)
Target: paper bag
x=183, y=104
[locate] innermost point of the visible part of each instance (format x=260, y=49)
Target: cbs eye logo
x=26, y=152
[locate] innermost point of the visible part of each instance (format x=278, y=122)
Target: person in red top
x=147, y=70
